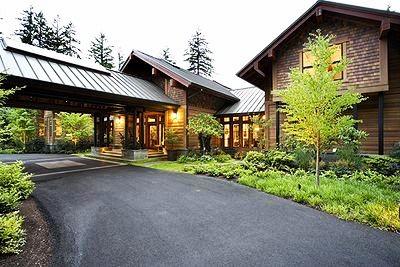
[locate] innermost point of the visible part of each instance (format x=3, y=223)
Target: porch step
x=114, y=159
x=111, y=154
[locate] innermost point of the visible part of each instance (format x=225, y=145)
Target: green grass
x=160, y=164
x=348, y=200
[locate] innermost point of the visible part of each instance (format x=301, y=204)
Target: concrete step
x=114, y=159
x=108, y=154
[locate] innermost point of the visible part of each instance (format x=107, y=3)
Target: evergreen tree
x=101, y=52
x=198, y=55
x=120, y=60
x=166, y=55
x=28, y=26
x=36, y=31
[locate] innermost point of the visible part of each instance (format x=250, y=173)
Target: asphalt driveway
x=130, y=216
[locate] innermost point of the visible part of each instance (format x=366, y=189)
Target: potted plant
x=131, y=149
x=171, y=138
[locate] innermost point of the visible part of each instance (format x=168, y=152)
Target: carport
x=56, y=82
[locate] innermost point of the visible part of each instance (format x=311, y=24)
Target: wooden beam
x=318, y=14
x=95, y=129
x=380, y=123
x=385, y=27
x=355, y=115
x=277, y=125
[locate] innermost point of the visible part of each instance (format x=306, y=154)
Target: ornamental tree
x=314, y=103
x=205, y=126
x=75, y=126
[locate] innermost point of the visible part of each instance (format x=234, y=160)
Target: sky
x=235, y=30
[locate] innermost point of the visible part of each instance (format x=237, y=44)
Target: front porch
x=133, y=135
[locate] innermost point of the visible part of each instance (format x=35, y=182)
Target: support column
x=108, y=130
x=141, y=129
x=126, y=133
x=277, y=125
x=380, y=123
x=95, y=129
x=134, y=130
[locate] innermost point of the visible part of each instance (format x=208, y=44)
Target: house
x=370, y=38
x=133, y=106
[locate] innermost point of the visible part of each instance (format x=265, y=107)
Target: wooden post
x=380, y=123
x=141, y=129
x=95, y=139
x=126, y=129
x=101, y=131
x=108, y=130
x=277, y=125
x=134, y=129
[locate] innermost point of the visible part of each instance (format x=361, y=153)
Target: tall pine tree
x=199, y=56
x=166, y=55
x=28, y=27
x=101, y=52
x=35, y=30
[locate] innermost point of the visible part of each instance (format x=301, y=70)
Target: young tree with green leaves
x=166, y=55
x=198, y=55
x=23, y=124
x=101, y=52
x=314, y=105
x=75, y=126
x=205, y=126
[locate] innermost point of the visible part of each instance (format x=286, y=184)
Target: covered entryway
x=127, y=111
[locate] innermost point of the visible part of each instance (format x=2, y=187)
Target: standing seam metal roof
x=187, y=75
x=252, y=100
x=26, y=61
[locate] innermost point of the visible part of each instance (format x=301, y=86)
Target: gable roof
x=33, y=63
x=386, y=18
x=183, y=76
x=252, y=100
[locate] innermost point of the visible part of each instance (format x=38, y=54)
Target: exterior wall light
x=174, y=115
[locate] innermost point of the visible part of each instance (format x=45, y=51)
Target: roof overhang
x=250, y=71
x=175, y=76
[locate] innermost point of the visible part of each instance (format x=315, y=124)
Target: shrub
x=255, y=161
x=341, y=167
x=382, y=164
x=222, y=158
x=186, y=159
x=206, y=158
x=276, y=159
x=376, y=178
x=395, y=153
x=349, y=145
x=12, y=236
x=9, y=200
x=13, y=177
x=240, y=155
x=36, y=145
x=226, y=170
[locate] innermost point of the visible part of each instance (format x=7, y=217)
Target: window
x=308, y=60
x=151, y=119
x=235, y=118
x=245, y=134
x=227, y=130
x=226, y=119
x=245, y=118
x=236, y=135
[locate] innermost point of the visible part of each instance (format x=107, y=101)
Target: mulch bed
x=38, y=249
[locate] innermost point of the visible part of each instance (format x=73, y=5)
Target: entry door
x=152, y=132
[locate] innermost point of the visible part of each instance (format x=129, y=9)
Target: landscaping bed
x=38, y=248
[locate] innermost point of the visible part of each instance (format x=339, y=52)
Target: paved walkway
x=129, y=216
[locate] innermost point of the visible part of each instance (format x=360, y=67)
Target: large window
x=227, y=130
x=308, y=60
x=238, y=132
x=236, y=135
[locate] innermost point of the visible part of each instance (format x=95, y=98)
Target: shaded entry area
x=55, y=82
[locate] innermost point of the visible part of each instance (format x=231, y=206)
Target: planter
x=134, y=154
x=172, y=155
